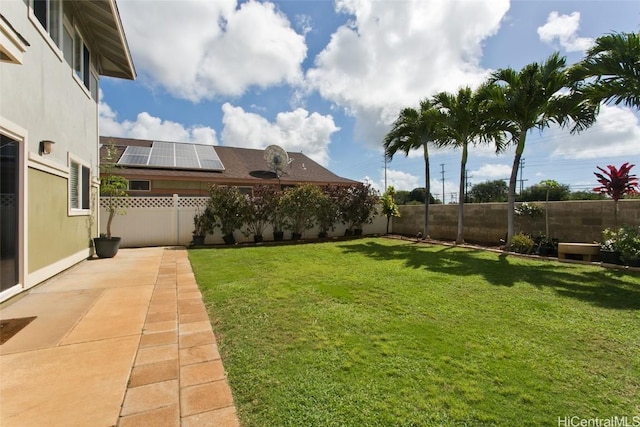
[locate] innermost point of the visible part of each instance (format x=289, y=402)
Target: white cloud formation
x=147, y=126
x=564, y=29
x=615, y=134
x=400, y=180
x=393, y=53
x=203, y=49
x=296, y=130
x=490, y=172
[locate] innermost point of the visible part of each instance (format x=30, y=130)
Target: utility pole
x=522, y=180
x=385, y=172
x=442, y=172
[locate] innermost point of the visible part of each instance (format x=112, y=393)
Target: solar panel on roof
x=173, y=155
x=138, y=156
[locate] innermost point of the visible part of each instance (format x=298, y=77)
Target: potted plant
x=228, y=207
x=260, y=207
x=609, y=252
x=203, y=224
x=628, y=243
x=113, y=187
x=298, y=207
x=546, y=246
x=357, y=207
x=327, y=212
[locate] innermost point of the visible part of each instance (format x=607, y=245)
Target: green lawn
x=380, y=332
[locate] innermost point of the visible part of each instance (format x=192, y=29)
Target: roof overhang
x=103, y=20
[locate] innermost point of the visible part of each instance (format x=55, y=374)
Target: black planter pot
x=278, y=236
x=198, y=239
x=229, y=239
x=548, y=250
x=631, y=262
x=106, y=247
x=257, y=238
x=610, y=257
x=323, y=235
x=296, y=236
x=348, y=232
x=357, y=231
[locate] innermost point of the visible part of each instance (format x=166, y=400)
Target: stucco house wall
x=44, y=98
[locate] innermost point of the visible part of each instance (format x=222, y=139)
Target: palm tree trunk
x=511, y=205
x=427, y=189
x=463, y=165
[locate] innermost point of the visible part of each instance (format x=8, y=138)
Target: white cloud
x=400, y=180
x=147, y=126
x=490, y=172
x=204, y=49
x=304, y=23
x=296, y=130
x=564, y=28
x=393, y=53
x=615, y=134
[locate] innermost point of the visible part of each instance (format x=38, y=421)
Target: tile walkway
x=123, y=341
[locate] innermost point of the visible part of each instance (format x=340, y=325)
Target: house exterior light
x=46, y=146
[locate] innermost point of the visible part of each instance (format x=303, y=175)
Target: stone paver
x=123, y=341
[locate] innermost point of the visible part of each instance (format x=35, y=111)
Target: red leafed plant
x=616, y=183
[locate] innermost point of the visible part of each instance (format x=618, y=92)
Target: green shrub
x=522, y=244
x=628, y=243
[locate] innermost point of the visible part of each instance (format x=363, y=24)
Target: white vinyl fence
x=168, y=221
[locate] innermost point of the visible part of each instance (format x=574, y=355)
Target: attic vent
x=172, y=155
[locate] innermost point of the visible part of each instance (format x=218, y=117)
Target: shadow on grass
x=603, y=288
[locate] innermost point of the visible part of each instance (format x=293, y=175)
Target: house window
x=139, y=185
x=49, y=14
x=81, y=60
x=79, y=187
x=67, y=44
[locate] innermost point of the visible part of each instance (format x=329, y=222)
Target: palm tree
x=530, y=99
x=462, y=120
x=611, y=70
x=412, y=130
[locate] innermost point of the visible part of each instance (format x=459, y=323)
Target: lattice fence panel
x=155, y=202
x=138, y=202
x=193, y=202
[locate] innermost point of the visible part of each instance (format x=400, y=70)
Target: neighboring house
x=156, y=168
x=52, y=53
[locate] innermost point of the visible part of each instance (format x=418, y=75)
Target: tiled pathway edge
x=177, y=377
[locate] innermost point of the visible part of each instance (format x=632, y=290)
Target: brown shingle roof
x=243, y=166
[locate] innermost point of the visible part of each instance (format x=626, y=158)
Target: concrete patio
x=123, y=341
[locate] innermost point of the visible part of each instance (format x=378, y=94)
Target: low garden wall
x=569, y=221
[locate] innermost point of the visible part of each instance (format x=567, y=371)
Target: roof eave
x=115, y=56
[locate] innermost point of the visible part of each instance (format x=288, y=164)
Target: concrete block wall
x=569, y=221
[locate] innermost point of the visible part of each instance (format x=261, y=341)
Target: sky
x=328, y=78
